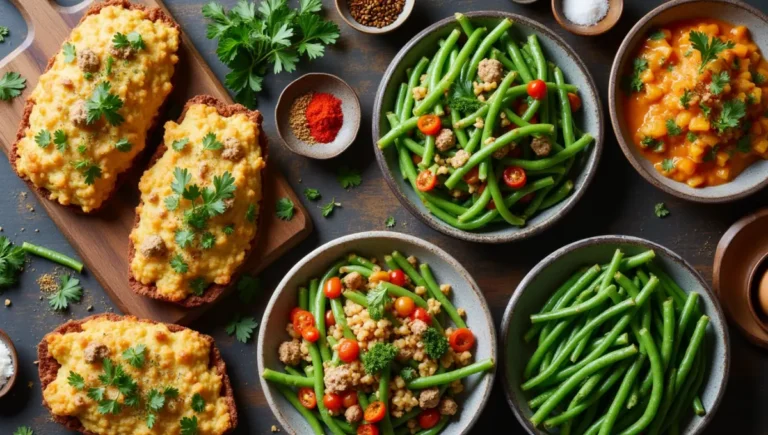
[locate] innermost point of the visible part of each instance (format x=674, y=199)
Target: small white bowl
x=343, y=7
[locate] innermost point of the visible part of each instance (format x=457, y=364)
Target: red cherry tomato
x=461, y=340
x=349, y=398
x=515, y=177
x=367, y=429
x=404, y=306
x=473, y=176
x=574, y=101
x=332, y=288
x=332, y=401
x=294, y=311
x=429, y=124
x=421, y=314
x=426, y=181
x=348, y=350
x=397, y=277
x=307, y=397
x=375, y=412
x=303, y=319
x=537, y=89
x=310, y=334
x=329, y=319
x=429, y=418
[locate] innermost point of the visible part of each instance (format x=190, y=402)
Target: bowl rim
x=405, y=239
x=613, y=91
x=370, y=30
x=589, y=170
x=356, y=127
x=10, y=382
x=600, y=240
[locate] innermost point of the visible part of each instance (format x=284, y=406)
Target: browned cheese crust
x=215, y=290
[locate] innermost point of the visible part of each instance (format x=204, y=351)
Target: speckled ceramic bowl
x=342, y=6
x=465, y=294
x=755, y=177
x=540, y=282
x=589, y=119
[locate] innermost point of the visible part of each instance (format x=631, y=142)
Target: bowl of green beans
x=614, y=334
x=488, y=127
x=366, y=266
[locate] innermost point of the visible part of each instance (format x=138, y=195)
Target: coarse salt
x=585, y=12
x=6, y=364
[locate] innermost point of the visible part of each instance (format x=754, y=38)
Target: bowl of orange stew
x=689, y=99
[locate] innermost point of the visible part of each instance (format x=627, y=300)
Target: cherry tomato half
x=307, y=397
x=515, y=177
x=375, y=412
x=537, y=89
x=367, y=429
x=348, y=350
x=575, y=101
x=461, y=340
x=293, y=313
x=303, y=319
x=429, y=124
x=421, y=314
x=332, y=401
x=426, y=181
x=310, y=334
x=429, y=418
x=404, y=306
x=349, y=398
x=397, y=277
x=332, y=288
x=473, y=176
x=329, y=319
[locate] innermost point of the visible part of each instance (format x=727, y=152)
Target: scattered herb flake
x=60, y=139
x=108, y=68
x=667, y=165
x=690, y=137
x=229, y=229
x=123, y=145
x=327, y=209
x=242, y=327
x=198, y=403
x=348, y=178
x=179, y=144
x=184, y=238
x=248, y=287
x=198, y=286
x=285, y=208
x=250, y=214
x=11, y=85
x=69, y=291
x=657, y=35
x=660, y=210
x=390, y=222
x=758, y=78
x=69, y=52
x=178, y=264
x=685, y=100
x=189, y=425
x=312, y=194
x=4, y=31
x=672, y=128
x=744, y=145
x=207, y=240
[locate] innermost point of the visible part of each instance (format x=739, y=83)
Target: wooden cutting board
x=102, y=239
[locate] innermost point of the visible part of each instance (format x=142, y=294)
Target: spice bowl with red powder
x=318, y=116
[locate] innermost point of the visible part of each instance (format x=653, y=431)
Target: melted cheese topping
x=172, y=359
x=142, y=82
x=218, y=263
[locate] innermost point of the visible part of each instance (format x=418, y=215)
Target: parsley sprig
x=730, y=115
x=284, y=208
x=709, y=48
x=11, y=262
x=242, y=327
x=69, y=291
x=11, y=85
x=104, y=103
x=348, y=178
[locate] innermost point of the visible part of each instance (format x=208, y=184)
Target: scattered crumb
x=30, y=384
x=30, y=208
x=7, y=302
x=48, y=283
x=275, y=429
x=23, y=194
x=1, y=229
x=22, y=229
x=36, y=230
x=35, y=362
x=90, y=308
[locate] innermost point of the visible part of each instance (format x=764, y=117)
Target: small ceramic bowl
x=465, y=294
x=615, y=7
x=752, y=179
x=14, y=360
x=319, y=82
x=343, y=7
x=540, y=282
x=588, y=119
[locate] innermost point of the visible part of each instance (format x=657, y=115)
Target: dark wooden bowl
x=14, y=359
x=615, y=8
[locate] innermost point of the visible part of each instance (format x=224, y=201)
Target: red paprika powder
x=324, y=117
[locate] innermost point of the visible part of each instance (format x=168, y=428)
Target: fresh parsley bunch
x=249, y=40
x=11, y=262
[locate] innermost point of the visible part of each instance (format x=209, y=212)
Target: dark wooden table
x=618, y=202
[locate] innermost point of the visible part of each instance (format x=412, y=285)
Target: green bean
x=355, y=297
x=683, y=397
x=547, y=162
x=589, y=417
x=319, y=313
x=572, y=310
x=291, y=397
x=691, y=306
x=559, y=195
x=434, y=290
x=384, y=376
x=341, y=319
x=541, y=398
x=292, y=371
x=317, y=364
x=638, y=260
x=404, y=127
x=286, y=379
x=401, y=93
x=538, y=57
x=413, y=413
x=621, y=396
x=668, y=339
x=690, y=352
x=345, y=426
x=466, y=25
x=448, y=377
x=409, y=270
x=362, y=270
x=490, y=121
x=486, y=45
x=634, y=396
x=52, y=255
x=303, y=298
x=544, y=346
x=313, y=287
x=498, y=199
x=565, y=110
x=406, y=141
x=556, y=296
x=583, y=282
x=573, y=381
x=477, y=207
x=413, y=81
x=453, y=72
x=677, y=293
x=397, y=291
x=517, y=57
x=505, y=61
x=658, y=385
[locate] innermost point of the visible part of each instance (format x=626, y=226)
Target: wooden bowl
x=615, y=8
x=319, y=82
x=755, y=177
x=14, y=360
x=342, y=6
x=465, y=294
x=537, y=286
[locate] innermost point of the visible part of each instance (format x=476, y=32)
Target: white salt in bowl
x=615, y=7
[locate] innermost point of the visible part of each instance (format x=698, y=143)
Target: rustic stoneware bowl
x=542, y=280
x=319, y=82
x=615, y=7
x=589, y=119
x=342, y=6
x=465, y=294
x=755, y=177
x=14, y=360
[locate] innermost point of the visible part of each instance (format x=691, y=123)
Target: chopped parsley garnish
x=88, y=75
x=690, y=137
x=23, y=430
x=719, y=80
x=250, y=214
x=660, y=210
x=43, y=138
x=247, y=288
x=711, y=154
x=672, y=128
x=11, y=262
x=123, y=145
x=408, y=374
x=378, y=357
x=75, y=380
x=327, y=209
x=104, y=103
x=135, y=355
x=189, y=425
x=178, y=264
x=633, y=83
x=706, y=110
x=89, y=169
x=69, y=291
x=210, y=142
x=11, y=85
x=179, y=144
x=709, y=48
x=207, y=240
x=229, y=229
x=744, y=145
x=685, y=100
x=733, y=111
x=60, y=139
x=390, y=222
x=69, y=52
x=198, y=286
x=206, y=203
x=133, y=40
x=114, y=376
x=284, y=208
x=198, y=403
x=758, y=78
x=242, y=327
x=667, y=165
x=657, y=35
x=4, y=31
x=377, y=301
x=312, y=194
x=649, y=142
x=155, y=402
x=348, y=178
x=108, y=68
x=435, y=343
x=171, y=392
x=81, y=148
x=184, y=238
x=751, y=99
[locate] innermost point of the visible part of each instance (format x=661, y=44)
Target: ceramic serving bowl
x=342, y=6
x=542, y=280
x=465, y=294
x=350, y=107
x=589, y=119
x=14, y=361
x=755, y=177
x=615, y=8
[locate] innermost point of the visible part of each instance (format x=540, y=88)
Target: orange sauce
x=682, y=141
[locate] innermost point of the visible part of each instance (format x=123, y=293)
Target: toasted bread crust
x=153, y=14
x=48, y=367
x=215, y=290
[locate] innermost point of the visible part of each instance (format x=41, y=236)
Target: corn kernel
x=647, y=76
x=695, y=151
